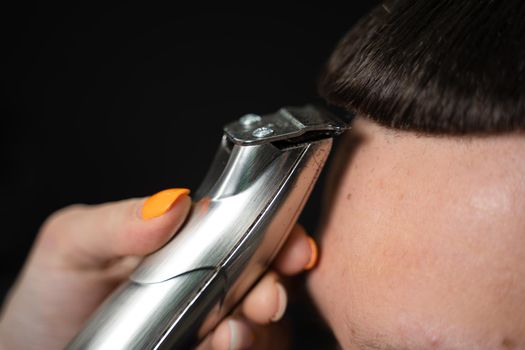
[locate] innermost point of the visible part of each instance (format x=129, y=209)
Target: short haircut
x=434, y=66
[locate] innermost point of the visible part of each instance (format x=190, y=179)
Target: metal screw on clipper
x=262, y=131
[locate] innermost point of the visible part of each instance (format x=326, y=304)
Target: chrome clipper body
x=261, y=177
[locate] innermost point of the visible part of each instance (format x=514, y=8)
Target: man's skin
x=423, y=240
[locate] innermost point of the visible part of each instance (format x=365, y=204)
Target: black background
x=105, y=103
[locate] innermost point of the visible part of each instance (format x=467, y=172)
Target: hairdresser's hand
x=83, y=252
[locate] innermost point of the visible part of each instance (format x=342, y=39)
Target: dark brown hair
x=434, y=66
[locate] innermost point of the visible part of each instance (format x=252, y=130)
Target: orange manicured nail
x=314, y=254
x=161, y=202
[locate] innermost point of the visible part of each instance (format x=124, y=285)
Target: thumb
x=91, y=236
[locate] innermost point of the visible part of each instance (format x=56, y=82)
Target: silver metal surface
x=263, y=131
x=139, y=316
x=244, y=210
x=250, y=119
x=287, y=123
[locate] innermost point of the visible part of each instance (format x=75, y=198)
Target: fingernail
x=240, y=336
x=282, y=301
x=314, y=254
x=161, y=202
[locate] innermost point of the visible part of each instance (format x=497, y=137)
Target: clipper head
x=289, y=125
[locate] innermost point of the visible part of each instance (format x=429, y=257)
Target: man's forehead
x=428, y=234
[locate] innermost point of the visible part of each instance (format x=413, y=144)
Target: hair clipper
x=259, y=181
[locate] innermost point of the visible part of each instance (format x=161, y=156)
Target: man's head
x=424, y=227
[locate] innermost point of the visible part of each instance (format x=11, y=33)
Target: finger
x=275, y=336
x=232, y=334
x=267, y=301
x=298, y=254
x=92, y=236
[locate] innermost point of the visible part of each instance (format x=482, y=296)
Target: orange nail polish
x=314, y=254
x=161, y=202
